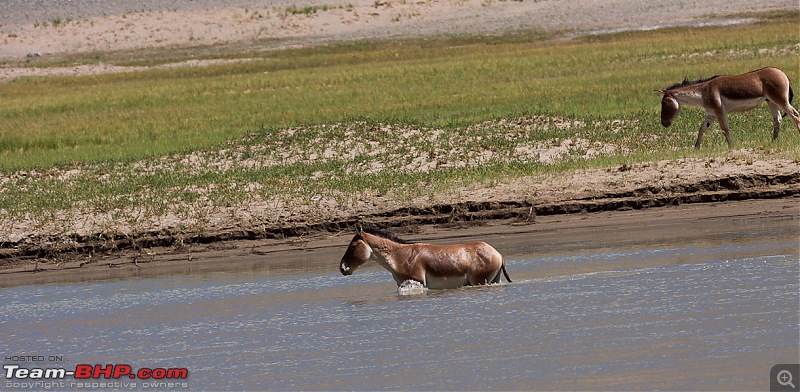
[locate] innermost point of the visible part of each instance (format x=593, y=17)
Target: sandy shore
x=50, y=29
x=56, y=27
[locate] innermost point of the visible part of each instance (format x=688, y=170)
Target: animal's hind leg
x=793, y=114
x=479, y=279
x=723, y=123
x=783, y=101
x=497, y=277
x=776, y=119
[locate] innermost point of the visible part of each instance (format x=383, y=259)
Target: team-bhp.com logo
x=89, y=376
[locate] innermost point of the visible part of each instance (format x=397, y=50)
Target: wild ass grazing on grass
x=720, y=95
x=435, y=266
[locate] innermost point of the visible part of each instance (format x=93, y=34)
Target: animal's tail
x=503, y=268
x=791, y=96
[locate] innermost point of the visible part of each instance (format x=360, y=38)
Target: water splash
x=411, y=287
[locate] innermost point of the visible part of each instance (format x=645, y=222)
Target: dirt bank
x=684, y=188
x=321, y=250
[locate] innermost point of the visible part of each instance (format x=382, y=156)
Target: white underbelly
x=443, y=282
x=738, y=105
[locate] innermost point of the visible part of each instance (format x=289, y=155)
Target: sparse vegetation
x=307, y=10
x=55, y=22
x=353, y=121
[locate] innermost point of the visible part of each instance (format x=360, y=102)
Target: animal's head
x=669, y=108
x=358, y=253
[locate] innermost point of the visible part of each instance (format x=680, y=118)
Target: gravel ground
x=96, y=25
x=20, y=12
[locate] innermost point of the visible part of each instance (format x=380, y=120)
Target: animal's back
x=487, y=251
x=764, y=82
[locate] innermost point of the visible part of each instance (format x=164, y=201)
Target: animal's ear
x=660, y=91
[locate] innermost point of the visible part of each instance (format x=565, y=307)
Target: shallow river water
x=705, y=315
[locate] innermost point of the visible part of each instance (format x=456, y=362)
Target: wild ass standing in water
x=721, y=95
x=435, y=266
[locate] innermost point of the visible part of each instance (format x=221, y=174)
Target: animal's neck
x=690, y=95
x=382, y=251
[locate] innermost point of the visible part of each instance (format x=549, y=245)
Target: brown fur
x=475, y=263
x=723, y=94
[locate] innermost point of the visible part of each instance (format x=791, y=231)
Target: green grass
x=439, y=83
x=128, y=133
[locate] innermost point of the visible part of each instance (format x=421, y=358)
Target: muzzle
x=345, y=270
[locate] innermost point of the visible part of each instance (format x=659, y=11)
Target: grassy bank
x=436, y=83
x=353, y=121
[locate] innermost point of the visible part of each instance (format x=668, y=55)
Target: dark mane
x=687, y=82
x=385, y=234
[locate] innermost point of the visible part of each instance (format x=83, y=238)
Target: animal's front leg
x=706, y=123
x=400, y=278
